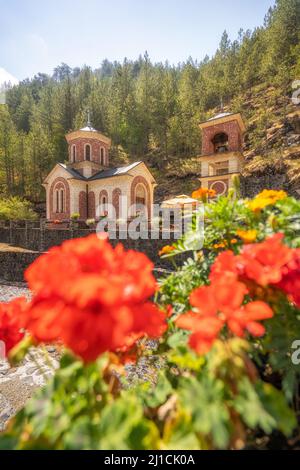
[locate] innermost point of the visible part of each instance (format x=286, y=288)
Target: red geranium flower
x=204, y=330
x=219, y=304
x=263, y=262
x=92, y=297
x=224, y=263
x=290, y=281
x=270, y=262
x=225, y=294
x=260, y=262
x=247, y=317
x=11, y=322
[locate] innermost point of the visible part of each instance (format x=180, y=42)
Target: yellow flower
x=220, y=245
x=273, y=194
x=248, y=236
x=266, y=198
x=233, y=241
x=166, y=250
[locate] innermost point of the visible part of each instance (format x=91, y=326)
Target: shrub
x=15, y=208
x=90, y=222
x=75, y=216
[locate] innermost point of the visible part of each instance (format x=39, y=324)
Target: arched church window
x=103, y=201
x=57, y=201
x=220, y=142
x=88, y=152
x=73, y=153
x=140, y=194
x=62, y=201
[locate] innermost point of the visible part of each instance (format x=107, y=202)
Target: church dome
x=88, y=129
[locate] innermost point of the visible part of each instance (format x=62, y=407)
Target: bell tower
x=222, y=151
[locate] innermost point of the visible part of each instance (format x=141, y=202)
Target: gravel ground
x=9, y=292
x=18, y=384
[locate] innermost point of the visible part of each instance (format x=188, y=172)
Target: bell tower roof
x=219, y=116
x=223, y=118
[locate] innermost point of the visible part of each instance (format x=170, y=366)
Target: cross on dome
x=89, y=118
x=89, y=126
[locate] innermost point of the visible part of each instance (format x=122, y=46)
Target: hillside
x=151, y=111
x=271, y=149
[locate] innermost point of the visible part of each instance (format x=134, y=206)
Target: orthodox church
x=222, y=157
x=87, y=180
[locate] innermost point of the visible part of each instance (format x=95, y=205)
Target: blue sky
x=36, y=35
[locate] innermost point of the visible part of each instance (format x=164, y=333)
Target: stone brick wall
x=116, y=194
x=91, y=205
x=96, y=146
x=13, y=263
x=230, y=128
x=82, y=207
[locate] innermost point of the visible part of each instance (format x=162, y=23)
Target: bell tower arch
x=222, y=151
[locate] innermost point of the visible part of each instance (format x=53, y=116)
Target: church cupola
x=222, y=151
x=88, y=149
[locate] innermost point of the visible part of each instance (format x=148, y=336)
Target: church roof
x=220, y=115
x=113, y=171
x=72, y=171
x=109, y=173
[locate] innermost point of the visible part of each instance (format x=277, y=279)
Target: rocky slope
x=271, y=149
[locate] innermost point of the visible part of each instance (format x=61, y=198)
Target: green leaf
x=205, y=400
x=275, y=404
x=249, y=405
x=156, y=396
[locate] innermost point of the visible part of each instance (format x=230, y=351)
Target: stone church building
x=87, y=180
x=222, y=157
